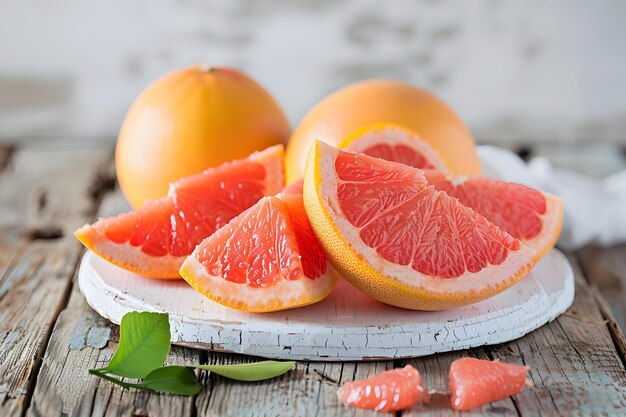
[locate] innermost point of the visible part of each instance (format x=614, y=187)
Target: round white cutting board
x=347, y=325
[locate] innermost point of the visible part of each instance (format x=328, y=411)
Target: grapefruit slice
x=394, y=390
x=527, y=214
x=394, y=143
x=266, y=259
x=476, y=382
x=401, y=241
x=155, y=240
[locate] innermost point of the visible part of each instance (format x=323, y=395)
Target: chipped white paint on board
x=346, y=326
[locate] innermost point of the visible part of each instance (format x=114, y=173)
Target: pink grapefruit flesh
x=527, y=214
x=476, y=382
x=266, y=259
x=394, y=390
x=155, y=240
x=394, y=143
x=400, y=240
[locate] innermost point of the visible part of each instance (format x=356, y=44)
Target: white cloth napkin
x=595, y=209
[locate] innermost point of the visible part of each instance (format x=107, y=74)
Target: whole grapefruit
x=190, y=120
x=383, y=101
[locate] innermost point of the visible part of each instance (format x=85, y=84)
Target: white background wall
x=514, y=70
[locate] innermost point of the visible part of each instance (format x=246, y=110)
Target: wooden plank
x=616, y=331
x=52, y=189
x=44, y=195
x=606, y=269
x=434, y=371
x=81, y=340
x=574, y=364
x=9, y=234
x=310, y=389
x=47, y=194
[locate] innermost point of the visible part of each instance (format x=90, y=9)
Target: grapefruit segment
x=394, y=143
x=266, y=259
x=527, y=214
x=155, y=240
x=394, y=390
x=476, y=382
x=401, y=241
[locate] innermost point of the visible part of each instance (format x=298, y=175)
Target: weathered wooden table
x=49, y=337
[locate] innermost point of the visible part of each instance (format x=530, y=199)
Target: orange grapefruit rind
x=393, y=134
x=386, y=281
x=191, y=119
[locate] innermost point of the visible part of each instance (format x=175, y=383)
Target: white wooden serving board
x=347, y=325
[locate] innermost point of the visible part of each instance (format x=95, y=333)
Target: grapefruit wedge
x=155, y=240
x=527, y=214
x=266, y=259
x=475, y=382
x=394, y=143
x=394, y=390
x=401, y=241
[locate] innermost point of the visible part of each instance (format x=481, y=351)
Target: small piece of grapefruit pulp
x=266, y=259
x=394, y=143
x=393, y=390
x=155, y=240
x=527, y=214
x=475, y=382
x=401, y=241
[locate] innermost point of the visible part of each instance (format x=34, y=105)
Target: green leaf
x=256, y=371
x=144, y=345
x=179, y=380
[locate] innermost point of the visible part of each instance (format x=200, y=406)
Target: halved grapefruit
x=400, y=240
x=527, y=214
x=394, y=143
x=475, y=382
x=266, y=259
x=155, y=240
x=394, y=390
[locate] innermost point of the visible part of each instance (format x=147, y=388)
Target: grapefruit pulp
x=394, y=143
x=266, y=259
x=397, y=389
x=401, y=241
x=155, y=240
x=527, y=214
x=475, y=382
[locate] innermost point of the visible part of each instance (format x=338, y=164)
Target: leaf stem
x=102, y=374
